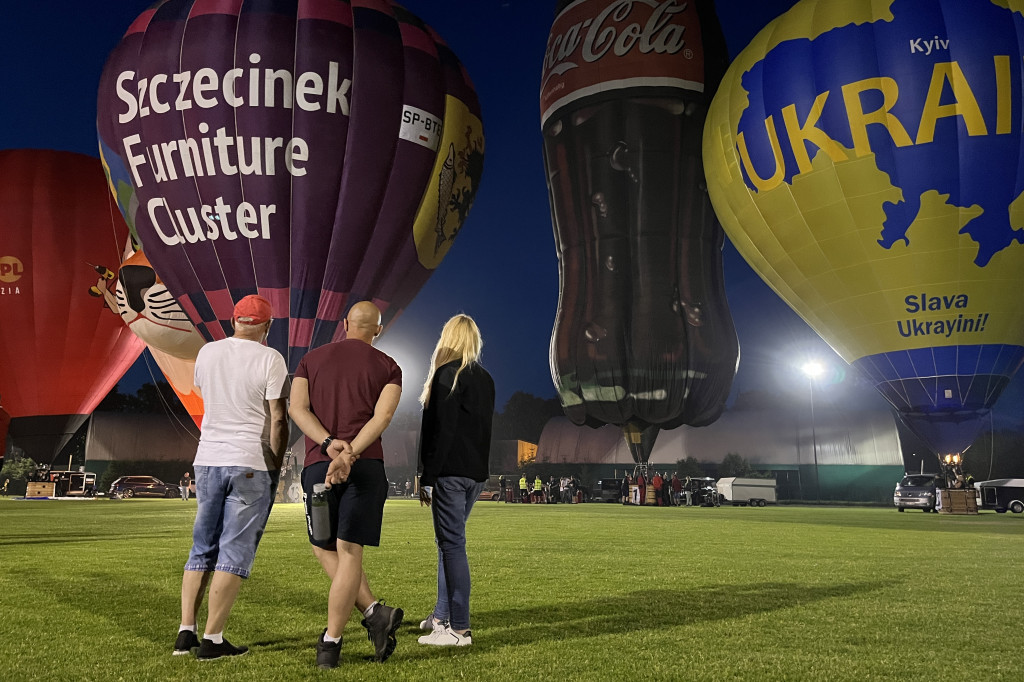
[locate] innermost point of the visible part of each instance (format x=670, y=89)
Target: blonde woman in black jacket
x=455, y=440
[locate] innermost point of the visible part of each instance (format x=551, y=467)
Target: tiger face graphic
x=150, y=311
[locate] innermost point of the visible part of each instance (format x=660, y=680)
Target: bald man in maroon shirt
x=344, y=395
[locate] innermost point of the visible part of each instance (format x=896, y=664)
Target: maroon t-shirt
x=345, y=382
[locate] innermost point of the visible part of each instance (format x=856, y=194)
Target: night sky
x=502, y=269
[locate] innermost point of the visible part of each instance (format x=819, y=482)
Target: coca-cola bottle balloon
x=643, y=337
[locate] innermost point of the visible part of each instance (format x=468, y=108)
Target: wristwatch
x=326, y=444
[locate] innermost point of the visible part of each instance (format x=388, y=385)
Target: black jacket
x=455, y=435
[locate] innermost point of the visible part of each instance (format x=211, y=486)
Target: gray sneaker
x=327, y=653
x=380, y=629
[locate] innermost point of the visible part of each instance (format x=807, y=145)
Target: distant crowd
x=566, y=490
x=660, y=491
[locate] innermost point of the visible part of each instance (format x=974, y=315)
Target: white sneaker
x=445, y=636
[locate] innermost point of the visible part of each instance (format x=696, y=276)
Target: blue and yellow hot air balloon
x=865, y=158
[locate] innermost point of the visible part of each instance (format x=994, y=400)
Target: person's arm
x=278, y=430
x=302, y=414
x=383, y=411
x=445, y=410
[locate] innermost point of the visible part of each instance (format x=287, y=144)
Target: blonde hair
x=460, y=339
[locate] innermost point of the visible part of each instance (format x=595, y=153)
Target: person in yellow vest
x=524, y=490
x=538, y=491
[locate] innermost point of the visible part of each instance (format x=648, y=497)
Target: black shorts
x=356, y=507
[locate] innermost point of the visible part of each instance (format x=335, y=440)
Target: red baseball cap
x=252, y=309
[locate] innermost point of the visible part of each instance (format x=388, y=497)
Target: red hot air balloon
x=61, y=351
x=318, y=153
x=643, y=337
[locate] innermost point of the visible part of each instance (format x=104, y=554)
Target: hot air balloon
x=60, y=352
x=864, y=158
x=643, y=337
x=317, y=153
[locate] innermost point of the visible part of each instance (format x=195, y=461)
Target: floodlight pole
x=814, y=444
x=812, y=369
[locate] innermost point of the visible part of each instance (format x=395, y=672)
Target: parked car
x=916, y=491
x=143, y=486
x=491, y=495
x=701, y=492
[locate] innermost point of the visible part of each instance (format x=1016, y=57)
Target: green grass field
x=89, y=590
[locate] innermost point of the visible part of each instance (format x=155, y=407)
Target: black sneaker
x=380, y=629
x=327, y=653
x=186, y=642
x=208, y=651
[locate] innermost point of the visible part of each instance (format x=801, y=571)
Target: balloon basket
x=40, y=489
x=957, y=502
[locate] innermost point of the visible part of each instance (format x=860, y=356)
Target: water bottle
x=320, y=518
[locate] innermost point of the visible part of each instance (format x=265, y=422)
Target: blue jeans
x=233, y=505
x=453, y=499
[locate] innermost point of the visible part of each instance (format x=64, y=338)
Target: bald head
x=363, y=321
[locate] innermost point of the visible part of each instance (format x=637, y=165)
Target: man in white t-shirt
x=244, y=436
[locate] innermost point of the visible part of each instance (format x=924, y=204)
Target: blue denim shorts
x=233, y=508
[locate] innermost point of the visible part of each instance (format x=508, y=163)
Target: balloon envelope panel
x=61, y=350
x=864, y=158
x=317, y=153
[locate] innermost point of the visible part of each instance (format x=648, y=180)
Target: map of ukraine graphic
x=961, y=189
x=986, y=181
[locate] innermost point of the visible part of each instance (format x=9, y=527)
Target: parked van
x=918, y=491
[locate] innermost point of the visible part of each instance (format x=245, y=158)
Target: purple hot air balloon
x=317, y=152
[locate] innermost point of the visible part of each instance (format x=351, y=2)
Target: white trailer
x=1001, y=494
x=743, y=491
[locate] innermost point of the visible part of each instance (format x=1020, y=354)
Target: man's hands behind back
x=342, y=459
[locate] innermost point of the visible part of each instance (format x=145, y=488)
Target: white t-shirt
x=236, y=378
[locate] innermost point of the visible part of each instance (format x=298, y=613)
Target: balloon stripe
x=336, y=11
x=392, y=248
x=373, y=127
x=316, y=195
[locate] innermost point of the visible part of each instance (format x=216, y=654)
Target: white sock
x=332, y=640
x=190, y=628
x=216, y=638
x=369, y=609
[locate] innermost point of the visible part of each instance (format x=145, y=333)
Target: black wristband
x=327, y=442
